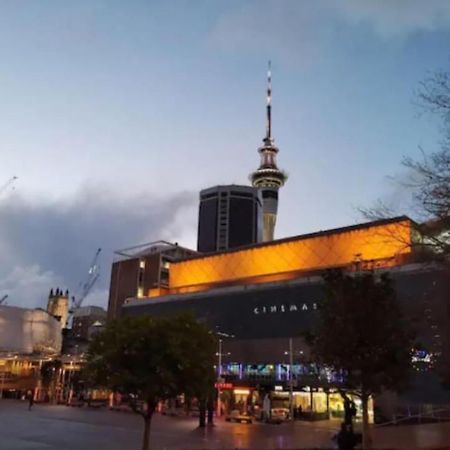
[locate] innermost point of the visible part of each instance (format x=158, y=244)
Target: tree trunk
x=147, y=425
x=367, y=439
x=202, y=414
x=210, y=411
x=328, y=402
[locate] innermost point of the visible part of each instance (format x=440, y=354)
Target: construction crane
x=87, y=285
x=2, y=300
x=7, y=184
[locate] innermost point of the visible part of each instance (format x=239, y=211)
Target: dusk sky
x=114, y=114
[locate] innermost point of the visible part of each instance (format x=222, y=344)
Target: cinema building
x=261, y=299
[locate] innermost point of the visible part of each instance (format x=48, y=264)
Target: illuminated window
x=142, y=264
x=140, y=292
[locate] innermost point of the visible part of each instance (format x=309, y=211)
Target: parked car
x=74, y=401
x=97, y=403
x=278, y=415
x=237, y=416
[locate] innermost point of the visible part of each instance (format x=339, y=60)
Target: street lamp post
x=219, y=376
x=220, y=334
x=291, y=379
x=219, y=367
x=2, y=384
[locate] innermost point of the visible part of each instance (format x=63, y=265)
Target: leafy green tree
x=152, y=359
x=199, y=378
x=361, y=332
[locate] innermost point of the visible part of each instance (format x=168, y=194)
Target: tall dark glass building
x=229, y=217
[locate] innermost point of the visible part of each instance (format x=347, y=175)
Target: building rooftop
x=89, y=310
x=409, y=223
x=227, y=188
x=236, y=289
x=380, y=242
x=148, y=248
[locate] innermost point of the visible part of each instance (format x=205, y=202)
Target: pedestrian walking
x=30, y=400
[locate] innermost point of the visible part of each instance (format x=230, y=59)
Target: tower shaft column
x=268, y=177
x=269, y=221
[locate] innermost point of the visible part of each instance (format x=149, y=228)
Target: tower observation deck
x=268, y=177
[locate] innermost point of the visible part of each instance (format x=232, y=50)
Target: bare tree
x=429, y=177
x=434, y=95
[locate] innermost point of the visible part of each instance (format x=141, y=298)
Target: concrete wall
x=124, y=280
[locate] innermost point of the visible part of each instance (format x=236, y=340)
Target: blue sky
x=115, y=114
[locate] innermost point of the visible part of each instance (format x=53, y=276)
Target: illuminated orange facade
x=381, y=243
x=157, y=292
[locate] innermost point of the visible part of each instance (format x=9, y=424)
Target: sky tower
x=268, y=177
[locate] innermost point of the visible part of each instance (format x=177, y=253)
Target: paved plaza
x=62, y=428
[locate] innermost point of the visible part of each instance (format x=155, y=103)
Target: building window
x=142, y=264
x=140, y=292
x=164, y=278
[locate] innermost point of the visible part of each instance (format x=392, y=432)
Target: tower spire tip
x=269, y=102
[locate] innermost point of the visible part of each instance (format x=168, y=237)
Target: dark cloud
x=44, y=243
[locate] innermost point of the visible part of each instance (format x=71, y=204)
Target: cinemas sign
x=285, y=308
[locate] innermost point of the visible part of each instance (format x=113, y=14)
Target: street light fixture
x=219, y=365
x=290, y=352
x=291, y=379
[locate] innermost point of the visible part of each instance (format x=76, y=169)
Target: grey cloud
x=300, y=31
x=391, y=18
x=272, y=28
x=45, y=244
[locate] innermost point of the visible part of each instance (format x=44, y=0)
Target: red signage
x=223, y=386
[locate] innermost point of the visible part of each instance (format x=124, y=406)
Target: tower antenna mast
x=269, y=103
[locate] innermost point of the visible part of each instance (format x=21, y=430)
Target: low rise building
x=85, y=318
x=141, y=271
x=27, y=338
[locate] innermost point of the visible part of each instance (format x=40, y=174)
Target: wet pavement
x=63, y=428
